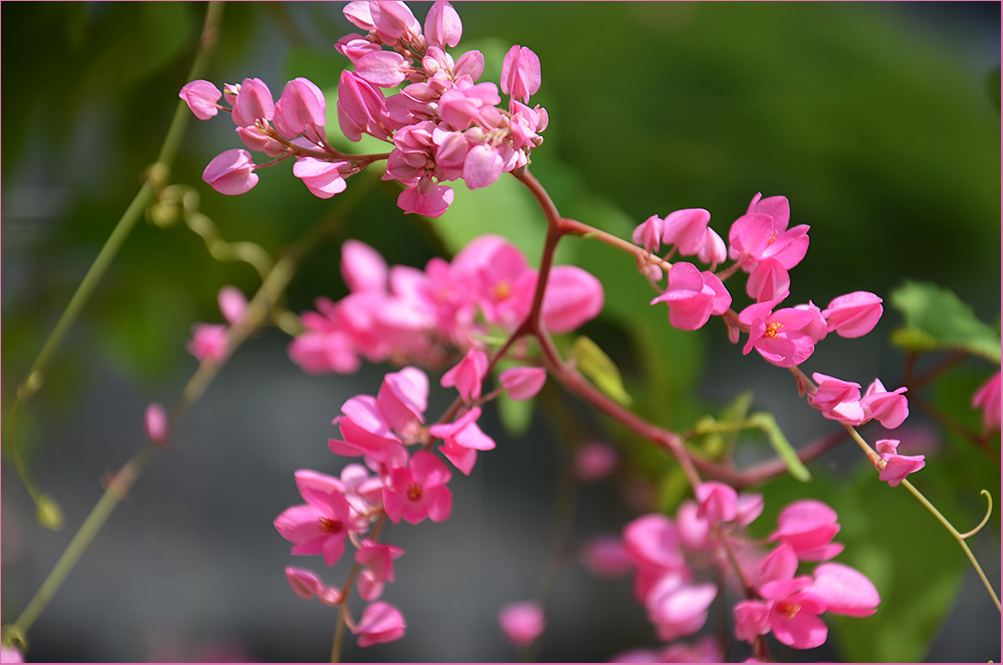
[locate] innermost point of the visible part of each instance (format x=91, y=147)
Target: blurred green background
x=875, y=120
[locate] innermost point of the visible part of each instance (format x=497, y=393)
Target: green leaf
x=767, y=423
x=935, y=318
x=596, y=365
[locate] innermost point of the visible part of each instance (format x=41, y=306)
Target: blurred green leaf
x=993, y=87
x=767, y=423
x=515, y=415
x=936, y=319
x=597, y=366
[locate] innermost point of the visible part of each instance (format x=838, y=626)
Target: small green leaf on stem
x=768, y=424
x=597, y=366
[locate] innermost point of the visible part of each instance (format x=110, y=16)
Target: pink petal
x=231, y=172
x=523, y=382
x=522, y=623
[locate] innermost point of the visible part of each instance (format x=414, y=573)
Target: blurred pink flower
x=522, y=623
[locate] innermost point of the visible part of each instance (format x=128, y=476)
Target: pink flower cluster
x=762, y=245
x=424, y=316
x=674, y=560
x=393, y=482
x=209, y=340
x=442, y=124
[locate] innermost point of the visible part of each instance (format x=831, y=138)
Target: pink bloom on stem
x=301, y=109
x=648, y=233
x=594, y=460
x=201, y=97
x=988, y=397
x=155, y=421
x=468, y=375
x=809, y=526
x=889, y=408
x=462, y=439
x=321, y=525
x=366, y=432
x=392, y=20
x=762, y=233
x=231, y=172
x=253, y=104
x=572, y=297
x=778, y=336
x=713, y=251
x=686, y=229
x=322, y=178
x=520, y=76
x=816, y=328
x=363, y=268
x=379, y=567
x=780, y=564
x=752, y=619
x=718, y=502
x=523, y=382
x=605, y=555
x=482, y=166
x=678, y=609
x=442, y=25
x=694, y=531
x=832, y=392
x=793, y=612
x=418, y=490
x=306, y=584
x=209, y=342
x=693, y=296
x=232, y=304
x=522, y=623
x=845, y=590
x=403, y=397
x=380, y=622
x=426, y=198
x=653, y=545
x=361, y=108
x=383, y=68
x=897, y=467
x=854, y=314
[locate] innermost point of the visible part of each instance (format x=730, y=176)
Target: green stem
x=156, y=177
x=957, y=536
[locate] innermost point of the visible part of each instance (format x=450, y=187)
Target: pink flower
x=301, y=109
x=889, y=408
x=605, y=555
x=468, y=375
x=361, y=108
x=208, y=342
x=380, y=622
x=687, y=229
x=832, y=392
x=383, y=68
x=897, y=467
x=713, y=251
x=155, y=421
x=418, y=490
x=573, y=296
x=522, y=382
x=393, y=21
x=809, y=526
x=403, y=398
x=232, y=304
x=463, y=438
x=442, y=25
x=793, y=609
x=321, y=525
x=648, y=233
x=231, y=172
x=379, y=567
x=11, y=655
x=366, y=432
x=718, y=502
x=594, y=460
x=426, y=198
x=520, y=76
x=693, y=296
x=854, y=314
x=306, y=584
x=322, y=178
x=988, y=397
x=845, y=590
x=253, y=104
x=678, y=609
x=482, y=166
x=654, y=547
x=694, y=531
x=362, y=267
x=201, y=97
x=778, y=336
x=522, y=623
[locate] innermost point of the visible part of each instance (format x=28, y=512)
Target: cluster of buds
x=407, y=315
x=442, y=125
x=674, y=563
